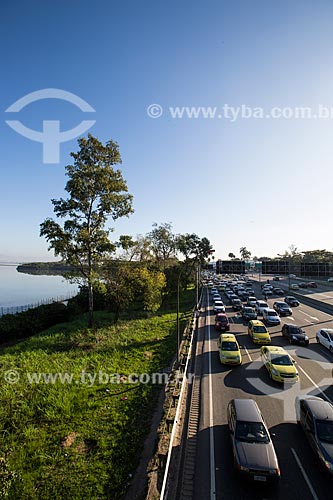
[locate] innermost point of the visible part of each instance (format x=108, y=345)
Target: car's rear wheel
x=331, y=349
x=317, y=339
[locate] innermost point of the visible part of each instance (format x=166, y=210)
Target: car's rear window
x=229, y=346
x=281, y=360
x=294, y=329
x=251, y=432
x=259, y=329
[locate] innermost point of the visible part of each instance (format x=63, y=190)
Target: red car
x=308, y=284
x=222, y=322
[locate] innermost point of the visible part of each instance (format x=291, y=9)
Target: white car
x=325, y=337
x=251, y=301
x=260, y=306
x=271, y=317
x=219, y=307
x=330, y=280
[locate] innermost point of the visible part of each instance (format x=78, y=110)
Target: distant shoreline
x=45, y=266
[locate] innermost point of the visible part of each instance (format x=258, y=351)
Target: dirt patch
x=70, y=439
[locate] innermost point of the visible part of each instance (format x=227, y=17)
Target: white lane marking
x=290, y=317
x=211, y=421
x=314, y=384
x=309, y=315
x=307, y=480
x=308, y=321
x=247, y=352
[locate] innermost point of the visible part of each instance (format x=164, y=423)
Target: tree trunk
x=91, y=303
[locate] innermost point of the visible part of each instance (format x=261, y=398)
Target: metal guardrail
x=317, y=304
x=165, y=486
x=17, y=309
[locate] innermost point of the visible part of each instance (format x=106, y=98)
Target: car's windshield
x=263, y=304
x=325, y=431
x=271, y=313
x=281, y=359
x=229, y=346
x=251, y=432
x=259, y=329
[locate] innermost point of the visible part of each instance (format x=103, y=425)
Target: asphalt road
x=301, y=475
x=324, y=293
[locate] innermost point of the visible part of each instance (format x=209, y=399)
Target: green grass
x=81, y=440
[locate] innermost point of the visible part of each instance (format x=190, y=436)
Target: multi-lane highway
x=301, y=474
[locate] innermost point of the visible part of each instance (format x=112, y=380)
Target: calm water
x=19, y=289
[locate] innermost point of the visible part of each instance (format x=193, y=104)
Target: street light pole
x=178, y=328
x=197, y=276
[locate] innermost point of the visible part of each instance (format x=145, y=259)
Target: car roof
x=227, y=336
x=269, y=310
x=247, y=410
x=221, y=315
x=321, y=410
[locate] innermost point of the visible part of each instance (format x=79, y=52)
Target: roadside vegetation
x=82, y=439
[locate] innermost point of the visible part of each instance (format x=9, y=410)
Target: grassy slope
x=71, y=440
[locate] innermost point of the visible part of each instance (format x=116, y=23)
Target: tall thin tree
x=96, y=191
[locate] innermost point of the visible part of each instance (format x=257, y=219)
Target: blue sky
x=260, y=183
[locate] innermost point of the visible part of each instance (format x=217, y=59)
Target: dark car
x=236, y=304
x=315, y=416
x=312, y=284
x=295, y=334
x=278, y=291
x=303, y=284
x=232, y=297
x=253, y=450
x=291, y=301
x=282, y=308
x=222, y=322
x=248, y=313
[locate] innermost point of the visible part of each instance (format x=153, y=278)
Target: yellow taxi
x=258, y=332
x=279, y=364
x=229, y=351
